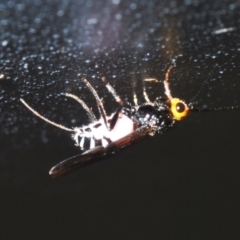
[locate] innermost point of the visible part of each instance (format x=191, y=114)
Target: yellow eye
x=178, y=108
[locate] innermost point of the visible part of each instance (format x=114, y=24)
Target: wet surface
x=183, y=184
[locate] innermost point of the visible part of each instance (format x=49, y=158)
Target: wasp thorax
x=178, y=108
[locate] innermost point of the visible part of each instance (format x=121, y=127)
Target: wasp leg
x=45, y=119
x=110, y=88
x=92, y=143
x=145, y=95
x=82, y=143
x=90, y=113
x=99, y=101
x=166, y=83
x=135, y=99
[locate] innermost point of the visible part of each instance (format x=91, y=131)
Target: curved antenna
x=45, y=119
x=215, y=109
x=90, y=113
x=190, y=105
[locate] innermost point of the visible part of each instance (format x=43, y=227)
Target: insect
x=128, y=124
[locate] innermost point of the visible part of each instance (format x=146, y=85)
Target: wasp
x=128, y=124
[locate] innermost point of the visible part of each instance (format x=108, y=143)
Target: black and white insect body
x=100, y=134
x=126, y=125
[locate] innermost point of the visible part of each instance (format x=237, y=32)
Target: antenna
x=215, y=109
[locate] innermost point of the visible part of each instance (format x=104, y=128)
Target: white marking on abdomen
x=124, y=126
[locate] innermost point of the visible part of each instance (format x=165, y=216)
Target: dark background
x=183, y=184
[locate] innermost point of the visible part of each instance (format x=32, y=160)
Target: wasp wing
x=98, y=152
